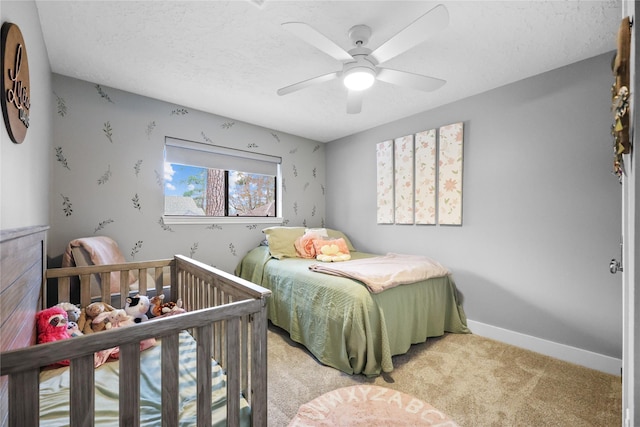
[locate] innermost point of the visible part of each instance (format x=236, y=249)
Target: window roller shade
x=191, y=153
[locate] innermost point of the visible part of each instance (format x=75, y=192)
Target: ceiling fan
x=360, y=65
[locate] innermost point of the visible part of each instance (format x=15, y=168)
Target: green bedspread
x=54, y=391
x=344, y=325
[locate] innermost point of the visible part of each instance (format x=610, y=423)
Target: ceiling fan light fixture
x=359, y=78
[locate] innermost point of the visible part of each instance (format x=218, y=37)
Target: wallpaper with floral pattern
x=108, y=174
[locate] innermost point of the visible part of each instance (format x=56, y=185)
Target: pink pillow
x=304, y=245
x=342, y=245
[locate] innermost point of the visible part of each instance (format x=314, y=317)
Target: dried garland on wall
x=620, y=98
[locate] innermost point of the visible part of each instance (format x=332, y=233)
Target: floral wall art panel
x=450, y=175
x=384, y=159
x=404, y=179
x=425, y=180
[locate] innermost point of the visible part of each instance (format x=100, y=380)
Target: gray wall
x=541, y=208
x=24, y=168
x=96, y=179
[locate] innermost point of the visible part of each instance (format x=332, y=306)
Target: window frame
x=182, y=144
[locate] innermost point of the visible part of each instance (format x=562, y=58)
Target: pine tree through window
x=203, y=180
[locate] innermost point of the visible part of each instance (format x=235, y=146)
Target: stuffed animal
x=137, y=307
x=331, y=253
x=73, y=330
x=51, y=325
x=114, y=319
x=90, y=312
x=159, y=307
x=156, y=305
x=73, y=311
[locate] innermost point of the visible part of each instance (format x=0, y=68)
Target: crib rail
x=226, y=315
x=199, y=285
x=155, y=268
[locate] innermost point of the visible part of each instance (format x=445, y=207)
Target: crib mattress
x=54, y=391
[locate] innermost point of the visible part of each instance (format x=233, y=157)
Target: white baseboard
x=575, y=355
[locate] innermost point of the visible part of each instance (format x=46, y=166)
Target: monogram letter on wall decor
x=16, y=100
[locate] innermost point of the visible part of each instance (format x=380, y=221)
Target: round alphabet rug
x=366, y=405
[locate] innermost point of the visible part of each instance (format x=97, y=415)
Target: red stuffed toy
x=52, y=326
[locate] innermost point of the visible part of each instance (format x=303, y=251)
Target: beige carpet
x=474, y=380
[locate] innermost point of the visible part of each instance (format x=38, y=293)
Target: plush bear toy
x=73, y=311
x=90, y=312
x=137, y=307
x=51, y=325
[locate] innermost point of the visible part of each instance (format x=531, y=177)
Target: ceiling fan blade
x=404, y=78
x=354, y=101
x=306, y=83
x=317, y=39
x=415, y=33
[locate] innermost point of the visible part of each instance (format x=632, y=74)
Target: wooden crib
x=226, y=315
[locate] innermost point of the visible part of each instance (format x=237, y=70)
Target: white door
x=630, y=236
x=630, y=293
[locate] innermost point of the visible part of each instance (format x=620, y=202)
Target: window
x=209, y=183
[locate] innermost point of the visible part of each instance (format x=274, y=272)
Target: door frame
x=630, y=237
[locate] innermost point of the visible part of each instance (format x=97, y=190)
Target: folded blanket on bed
x=384, y=272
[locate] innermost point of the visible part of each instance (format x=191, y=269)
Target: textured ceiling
x=229, y=58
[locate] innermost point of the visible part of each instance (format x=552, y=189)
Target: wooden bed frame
x=227, y=316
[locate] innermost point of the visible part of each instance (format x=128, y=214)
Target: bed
x=338, y=319
x=206, y=367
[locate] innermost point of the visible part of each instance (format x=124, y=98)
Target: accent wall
x=108, y=176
